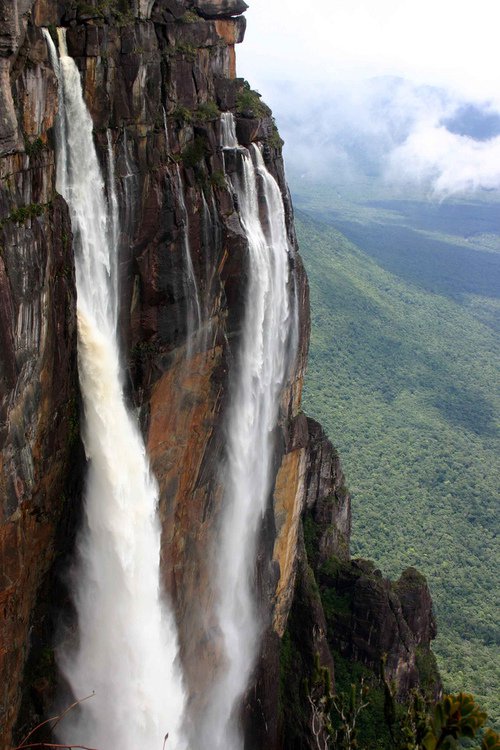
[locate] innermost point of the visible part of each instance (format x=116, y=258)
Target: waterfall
x=129, y=182
x=193, y=306
x=114, y=223
x=191, y=287
x=127, y=644
x=257, y=386
x=211, y=238
x=228, y=131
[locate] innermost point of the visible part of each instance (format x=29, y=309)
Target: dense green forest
x=403, y=374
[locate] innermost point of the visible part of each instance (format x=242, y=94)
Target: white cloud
x=444, y=43
x=450, y=162
x=358, y=85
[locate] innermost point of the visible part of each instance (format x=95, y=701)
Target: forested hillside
x=403, y=373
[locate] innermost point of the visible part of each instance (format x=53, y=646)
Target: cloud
x=389, y=90
x=389, y=129
x=449, y=162
x=447, y=44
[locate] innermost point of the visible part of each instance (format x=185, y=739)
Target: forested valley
x=403, y=373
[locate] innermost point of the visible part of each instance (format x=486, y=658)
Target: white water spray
x=127, y=649
x=114, y=221
x=228, y=131
x=258, y=383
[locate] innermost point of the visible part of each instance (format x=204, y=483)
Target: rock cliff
x=156, y=75
x=39, y=434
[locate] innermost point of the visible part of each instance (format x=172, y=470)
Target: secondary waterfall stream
x=192, y=296
x=127, y=644
x=260, y=373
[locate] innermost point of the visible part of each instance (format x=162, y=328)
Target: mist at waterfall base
x=127, y=644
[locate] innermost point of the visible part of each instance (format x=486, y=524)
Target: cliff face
x=156, y=75
x=360, y=624
x=39, y=435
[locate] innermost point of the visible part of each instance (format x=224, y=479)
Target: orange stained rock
x=288, y=498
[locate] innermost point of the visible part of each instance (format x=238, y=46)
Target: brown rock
x=416, y=603
x=216, y=8
x=38, y=404
x=326, y=496
x=231, y=30
x=38, y=379
x=287, y=506
x=9, y=134
x=145, y=82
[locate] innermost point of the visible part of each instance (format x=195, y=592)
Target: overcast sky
x=328, y=70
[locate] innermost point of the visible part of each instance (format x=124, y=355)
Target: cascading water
x=193, y=314
x=192, y=295
x=127, y=649
x=262, y=368
x=211, y=237
x=114, y=221
x=129, y=182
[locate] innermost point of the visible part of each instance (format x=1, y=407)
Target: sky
x=397, y=89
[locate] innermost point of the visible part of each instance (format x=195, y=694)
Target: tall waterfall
x=257, y=386
x=127, y=645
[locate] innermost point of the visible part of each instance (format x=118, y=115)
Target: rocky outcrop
x=298, y=625
x=416, y=605
x=224, y=8
x=327, y=498
x=369, y=618
x=345, y=611
x=304, y=645
x=368, y=621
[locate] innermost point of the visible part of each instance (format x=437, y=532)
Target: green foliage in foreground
x=361, y=713
x=340, y=720
x=404, y=382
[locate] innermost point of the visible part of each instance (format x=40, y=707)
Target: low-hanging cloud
x=388, y=129
x=381, y=90
x=449, y=162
